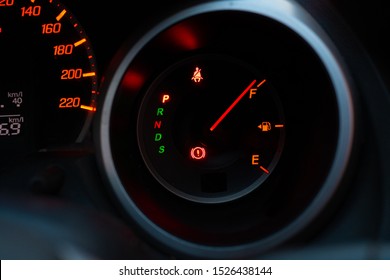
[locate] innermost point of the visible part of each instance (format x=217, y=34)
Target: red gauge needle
x=220, y=119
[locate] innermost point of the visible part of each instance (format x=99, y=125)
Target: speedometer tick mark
x=78, y=43
x=88, y=108
x=90, y=74
x=61, y=15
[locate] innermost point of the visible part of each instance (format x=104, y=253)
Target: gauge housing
x=278, y=38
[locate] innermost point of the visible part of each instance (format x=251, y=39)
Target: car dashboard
x=242, y=129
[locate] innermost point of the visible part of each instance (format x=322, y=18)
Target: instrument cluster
x=206, y=129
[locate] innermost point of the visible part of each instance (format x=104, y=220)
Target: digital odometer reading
x=11, y=119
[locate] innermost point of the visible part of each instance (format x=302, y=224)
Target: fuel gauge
x=227, y=129
x=211, y=128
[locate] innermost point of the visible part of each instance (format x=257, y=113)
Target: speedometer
x=48, y=79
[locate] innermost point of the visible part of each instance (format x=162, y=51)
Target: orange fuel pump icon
x=265, y=126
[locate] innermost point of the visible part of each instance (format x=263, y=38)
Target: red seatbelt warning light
x=198, y=153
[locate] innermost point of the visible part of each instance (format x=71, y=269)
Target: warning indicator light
x=265, y=126
x=198, y=153
x=197, y=76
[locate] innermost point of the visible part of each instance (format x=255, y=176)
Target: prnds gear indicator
x=211, y=129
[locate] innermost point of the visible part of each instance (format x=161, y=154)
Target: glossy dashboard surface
x=81, y=173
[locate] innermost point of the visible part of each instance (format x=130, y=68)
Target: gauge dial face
x=48, y=80
x=211, y=128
